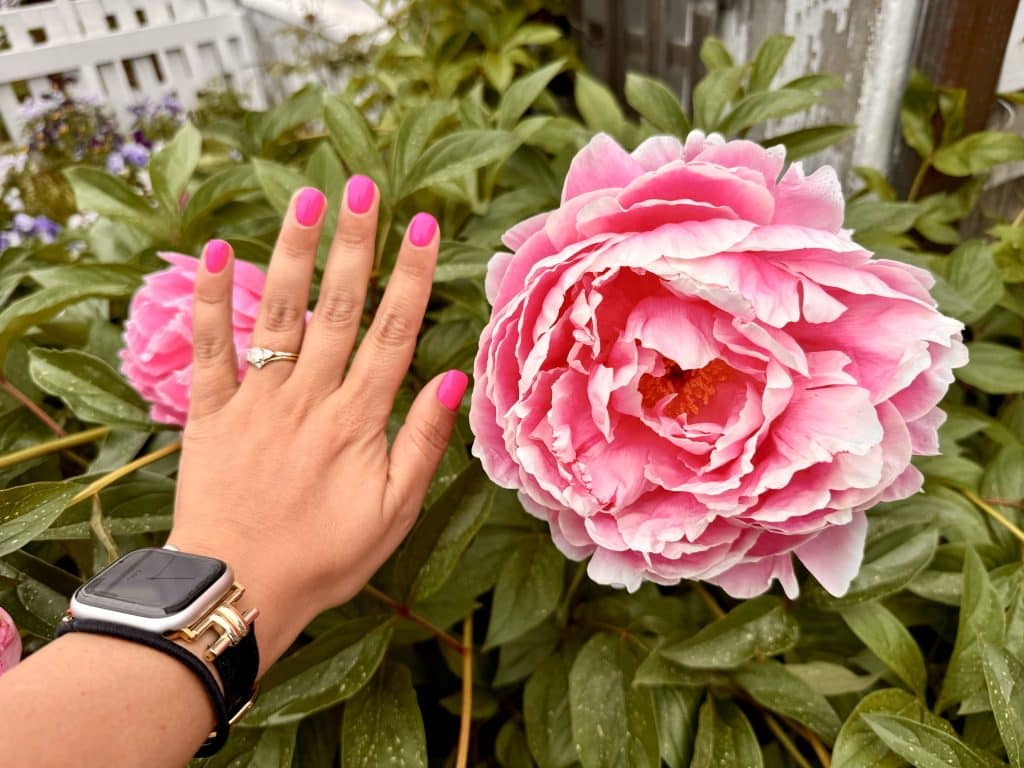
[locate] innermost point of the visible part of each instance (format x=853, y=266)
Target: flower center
x=693, y=388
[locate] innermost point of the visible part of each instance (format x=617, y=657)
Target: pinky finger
x=421, y=443
x=214, y=360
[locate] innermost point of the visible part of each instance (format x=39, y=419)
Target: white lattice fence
x=124, y=51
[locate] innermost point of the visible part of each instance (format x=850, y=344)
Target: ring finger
x=282, y=316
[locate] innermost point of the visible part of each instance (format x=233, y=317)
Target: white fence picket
x=124, y=51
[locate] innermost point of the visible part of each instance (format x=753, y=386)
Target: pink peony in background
x=10, y=642
x=691, y=371
x=157, y=354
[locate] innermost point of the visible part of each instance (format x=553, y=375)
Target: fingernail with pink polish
x=422, y=229
x=215, y=256
x=309, y=206
x=453, y=387
x=360, y=193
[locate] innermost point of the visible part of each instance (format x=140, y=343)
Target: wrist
x=281, y=616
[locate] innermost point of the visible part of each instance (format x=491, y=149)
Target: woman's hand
x=287, y=476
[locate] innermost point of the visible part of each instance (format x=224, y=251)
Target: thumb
x=422, y=440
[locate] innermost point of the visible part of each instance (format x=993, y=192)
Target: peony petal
x=834, y=556
x=601, y=164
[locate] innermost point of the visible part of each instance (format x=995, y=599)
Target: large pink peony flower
x=10, y=642
x=692, y=372
x=157, y=354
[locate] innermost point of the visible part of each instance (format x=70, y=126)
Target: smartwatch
x=159, y=596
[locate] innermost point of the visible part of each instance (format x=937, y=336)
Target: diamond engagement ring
x=260, y=356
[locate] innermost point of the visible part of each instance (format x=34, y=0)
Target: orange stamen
x=693, y=388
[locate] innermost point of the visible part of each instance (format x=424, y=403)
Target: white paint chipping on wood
x=171, y=46
x=866, y=43
x=1012, y=76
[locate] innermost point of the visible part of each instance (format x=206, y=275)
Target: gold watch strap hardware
x=224, y=619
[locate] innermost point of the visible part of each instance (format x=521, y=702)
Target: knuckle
x=293, y=249
x=209, y=347
x=352, y=236
x=281, y=313
x=395, y=327
x=415, y=269
x=338, y=308
x=208, y=294
x=430, y=438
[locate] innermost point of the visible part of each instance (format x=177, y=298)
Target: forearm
x=92, y=700
x=89, y=700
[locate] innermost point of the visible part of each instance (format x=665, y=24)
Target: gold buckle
x=241, y=712
x=224, y=619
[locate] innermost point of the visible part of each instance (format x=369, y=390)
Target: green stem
x=112, y=477
x=992, y=512
x=915, y=187
x=99, y=529
x=466, y=713
x=406, y=613
x=785, y=741
x=708, y=599
x=42, y=449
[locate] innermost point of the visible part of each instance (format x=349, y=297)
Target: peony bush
x=677, y=375
x=698, y=369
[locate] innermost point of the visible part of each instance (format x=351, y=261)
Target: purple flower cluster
x=25, y=227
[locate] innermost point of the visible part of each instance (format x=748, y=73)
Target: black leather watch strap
x=237, y=667
x=235, y=664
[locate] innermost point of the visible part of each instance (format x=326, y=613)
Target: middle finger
x=282, y=316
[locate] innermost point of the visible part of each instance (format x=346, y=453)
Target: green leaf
x=62, y=287
x=519, y=658
x=712, y=93
x=816, y=83
x=461, y=261
x=1004, y=676
x=773, y=686
x=766, y=105
x=92, y=389
x=859, y=747
x=511, y=748
x=223, y=187
x=28, y=510
x=890, y=641
x=1004, y=475
x=383, y=724
x=978, y=153
x=677, y=722
x=974, y=276
x=807, y=141
x=443, y=533
x=416, y=130
x=110, y=196
x=724, y=737
x=173, y=166
x=329, y=670
x=613, y=722
x=354, y=141
x=303, y=106
x=714, y=54
x=256, y=749
x=143, y=505
x=768, y=61
x=923, y=745
x=455, y=155
x=831, y=679
x=759, y=626
x=890, y=563
x=993, y=368
x=546, y=714
x=981, y=620
x=917, y=114
x=523, y=92
x=279, y=182
x=528, y=589
x=657, y=104
x=598, y=107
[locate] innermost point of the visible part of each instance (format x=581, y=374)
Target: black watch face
x=152, y=582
